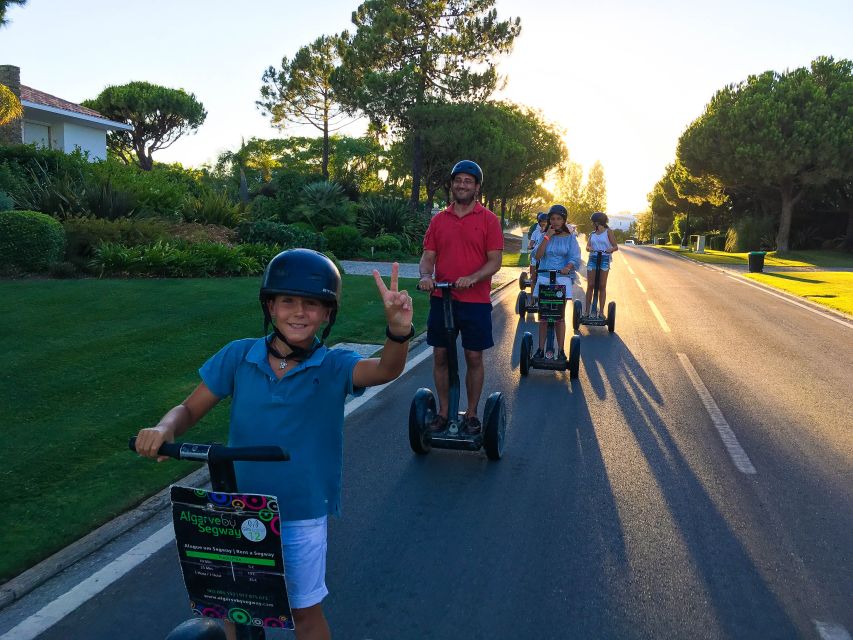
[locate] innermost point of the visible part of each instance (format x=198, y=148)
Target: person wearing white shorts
x=557, y=251
x=304, y=544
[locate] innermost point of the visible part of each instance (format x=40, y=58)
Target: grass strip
x=87, y=363
x=833, y=289
x=772, y=259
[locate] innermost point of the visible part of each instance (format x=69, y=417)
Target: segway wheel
x=576, y=314
x=494, y=426
x=523, y=280
x=198, y=629
x=574, y=363
x=420, y=413
x=526, y=350
x=521, y=303
x=611, y=317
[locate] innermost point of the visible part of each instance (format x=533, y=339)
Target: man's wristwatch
x=399, y=339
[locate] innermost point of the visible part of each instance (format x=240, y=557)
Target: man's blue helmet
x=542, y=217
x=470, y=167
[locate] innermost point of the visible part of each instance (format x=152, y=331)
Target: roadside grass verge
x=515, y=260
x=833, y=289
x=772, y=259
x=87, y=363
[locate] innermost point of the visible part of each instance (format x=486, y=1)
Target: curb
x=25, y=582
x=780, y=292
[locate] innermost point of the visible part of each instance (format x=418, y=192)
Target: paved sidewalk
x=410, y=270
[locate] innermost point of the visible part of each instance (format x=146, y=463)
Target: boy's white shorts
x=304, y=546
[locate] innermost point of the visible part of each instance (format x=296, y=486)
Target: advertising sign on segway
x=229, y=546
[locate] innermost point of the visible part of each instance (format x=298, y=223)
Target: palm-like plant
x=324, y=204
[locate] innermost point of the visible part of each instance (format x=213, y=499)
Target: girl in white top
x=601, y=239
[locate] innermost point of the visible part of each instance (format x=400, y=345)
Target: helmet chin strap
x=297, y=353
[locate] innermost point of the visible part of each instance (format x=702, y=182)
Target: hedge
x=29, y=241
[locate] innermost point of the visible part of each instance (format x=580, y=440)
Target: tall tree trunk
x=325, y=167
x=503, y=214
x=146, y=162
x=430, y=199
x=244, y=187
x=417, y=165
x=848, y=241
x=789, y=199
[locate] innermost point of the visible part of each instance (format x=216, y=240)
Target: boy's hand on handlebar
x=148, y=442
x=398, y=304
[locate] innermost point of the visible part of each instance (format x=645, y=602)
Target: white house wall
x=93, y=141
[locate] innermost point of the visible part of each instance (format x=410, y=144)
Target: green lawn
x=515, y=260
x=87, y=363
x=833, y=289
x=772, y=259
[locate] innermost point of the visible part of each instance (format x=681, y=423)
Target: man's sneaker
x=438, y=424
x=471, y=425
x=561, y=355
x=539, y=354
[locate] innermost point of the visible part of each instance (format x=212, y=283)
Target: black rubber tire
x=577, y=312
x=526, y=352
x=574, y=363
x=523, y=280
x=521, y=304
x=198, y=629
x=494, y=426
x=420, y=413
x=611, y=317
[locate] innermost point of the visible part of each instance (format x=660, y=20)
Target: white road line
x=640, y=284
x=736, y=452
x=663, y=324
x=831, y=631
x=630, y=270
x=52, y=613
x=840, y=321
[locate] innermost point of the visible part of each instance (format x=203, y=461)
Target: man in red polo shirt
x=463, y=244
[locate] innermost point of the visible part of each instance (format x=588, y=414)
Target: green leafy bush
x=284, y=235
x=344, y=241
x=175, y=260
x=751, y=233
x=264, y=208
x=211, y=208
x=387, y=243
x=378, y=216
x=674, y=237
x=83, y=235
x=323, y=204
x=718, y=243
x=29, y=241
x=6, y=202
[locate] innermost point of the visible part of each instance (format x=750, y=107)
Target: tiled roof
x=40, y=97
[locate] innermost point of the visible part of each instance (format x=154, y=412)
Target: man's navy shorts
x=472, y=319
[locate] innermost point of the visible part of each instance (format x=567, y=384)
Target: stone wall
x=12, y=133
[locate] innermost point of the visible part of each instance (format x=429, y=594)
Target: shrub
x=344, y=241
x=750, y=233
x=674, y=238
x=718, y=243
x=263, y=208
x=378, y=216
x=29, y=241
x=331, y=256
x=83, y=235
x=323, y=204
x=387, y=243
x=284, y=235
x=6, y=202
x=211, y=208
x=104, y=200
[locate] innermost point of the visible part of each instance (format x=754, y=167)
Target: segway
x=524, y=302
x=423, y=409
x=236, y=574
x=552, y=307
x=594, y=318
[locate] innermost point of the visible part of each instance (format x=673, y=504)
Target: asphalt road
x=696, y=481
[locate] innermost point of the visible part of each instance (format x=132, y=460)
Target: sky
x=622, y=79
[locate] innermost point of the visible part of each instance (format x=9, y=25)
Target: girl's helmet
x=560, y=210
x=542, y=217
x=305, y=273
x=470, y=167
x=599, y=217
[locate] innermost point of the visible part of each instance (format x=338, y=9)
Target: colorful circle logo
x=253, y=529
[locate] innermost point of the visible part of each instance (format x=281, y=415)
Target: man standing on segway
x=463, y=245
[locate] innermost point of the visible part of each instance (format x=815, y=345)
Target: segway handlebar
x=444, y=285
x=218, y=453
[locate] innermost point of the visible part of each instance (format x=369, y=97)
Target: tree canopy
x=4, y=7
x=408, y=53
x=301, y=92
x=159, y=116
x=781, y=131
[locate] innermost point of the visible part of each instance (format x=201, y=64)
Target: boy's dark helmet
x=560, y=210
x=599, y=217
x=470, y=167
x=305, y=273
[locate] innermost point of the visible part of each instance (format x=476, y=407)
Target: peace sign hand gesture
x=398, y=304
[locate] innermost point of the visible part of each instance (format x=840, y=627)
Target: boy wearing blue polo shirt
x=288, y=389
